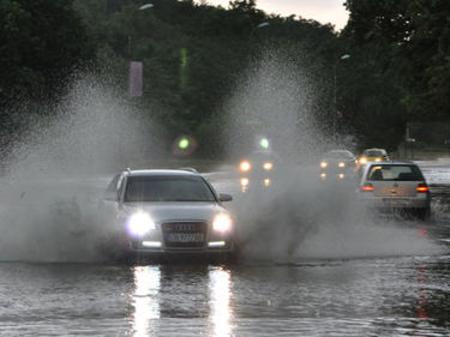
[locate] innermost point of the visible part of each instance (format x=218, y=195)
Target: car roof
x=161, y=172
x=339, y=152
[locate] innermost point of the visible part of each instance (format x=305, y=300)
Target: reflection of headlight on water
x=323, y=164
x=222, y=223
x=341, y=164
x=267, y=182
x=245, y=166
x=323, y=176
x=145, y=298
x=268, y=166
x=221, y=309
x=341, y=176
x=244, y=182
x=140, y=223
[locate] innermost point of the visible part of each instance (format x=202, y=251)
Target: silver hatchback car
x=168, y=211
x=395, y=185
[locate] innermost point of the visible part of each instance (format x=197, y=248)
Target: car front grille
x=184, y=234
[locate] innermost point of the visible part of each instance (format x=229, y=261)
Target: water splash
x=299, y=217
x=58, y=168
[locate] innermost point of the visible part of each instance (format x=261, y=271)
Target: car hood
x=176, y=211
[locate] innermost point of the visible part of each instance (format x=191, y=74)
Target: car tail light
x=422, y=188
x=367, y=187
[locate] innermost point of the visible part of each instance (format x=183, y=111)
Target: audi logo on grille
x=184, y=227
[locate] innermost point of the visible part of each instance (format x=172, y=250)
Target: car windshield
x=167, y=188
x=338, y=155
x=395, y=173
x=373, y=153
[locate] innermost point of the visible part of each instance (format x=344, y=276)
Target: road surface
x=345, y=277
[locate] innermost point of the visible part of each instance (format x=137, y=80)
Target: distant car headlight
x=341, y=164
x=363, y=160
x=378, y=159
x=323, y=164
x=222, y=223
x=140, y=223
x=245, y=166
x=268, y=166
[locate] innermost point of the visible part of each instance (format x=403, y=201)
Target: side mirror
x=225, y=197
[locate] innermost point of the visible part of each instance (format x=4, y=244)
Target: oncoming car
x=337, y=164
x=257, y=170
x=373, y=155
x=169, y=211
x=395, y=186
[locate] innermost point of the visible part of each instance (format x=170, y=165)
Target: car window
x=166, y=188
x=338, y=155
x=395, y=173
x=374, y=153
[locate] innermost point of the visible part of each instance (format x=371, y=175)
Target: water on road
x=398, y=287
x=407, y=296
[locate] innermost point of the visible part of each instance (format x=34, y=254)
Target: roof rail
x=189, y=169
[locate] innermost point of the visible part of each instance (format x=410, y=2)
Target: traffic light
x=264, y=143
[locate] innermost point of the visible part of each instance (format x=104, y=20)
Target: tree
x=41, y=42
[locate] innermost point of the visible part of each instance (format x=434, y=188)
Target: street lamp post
x=130, y=38
x=336, y=112
x=146, y=6
x=258, y=26
x=136, y=67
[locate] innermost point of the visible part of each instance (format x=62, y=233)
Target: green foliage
x=41, y=42
x=400, y=51
x=194, y=55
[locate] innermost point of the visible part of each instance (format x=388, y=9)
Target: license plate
x=185, y=237
x=396, y=202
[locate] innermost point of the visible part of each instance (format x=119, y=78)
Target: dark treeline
x=396, y=69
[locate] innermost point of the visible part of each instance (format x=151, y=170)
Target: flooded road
x=407, y=296
x=381, y=293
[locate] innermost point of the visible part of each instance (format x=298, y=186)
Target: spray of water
x=58, y=168
x=299, y=217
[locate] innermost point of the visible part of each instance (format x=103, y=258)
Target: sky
x=324, y=11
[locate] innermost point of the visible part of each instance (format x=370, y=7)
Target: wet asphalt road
x=398, y=288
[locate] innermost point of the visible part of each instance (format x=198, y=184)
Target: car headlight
x=377, y=159
x=245, y=166
x=341, y=164
x=140, y=223
x=363, y=160
x=323, y=164
x=268, y=166
x=222, y=223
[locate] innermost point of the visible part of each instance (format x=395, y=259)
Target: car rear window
x=167, y=188
x=394, y=172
